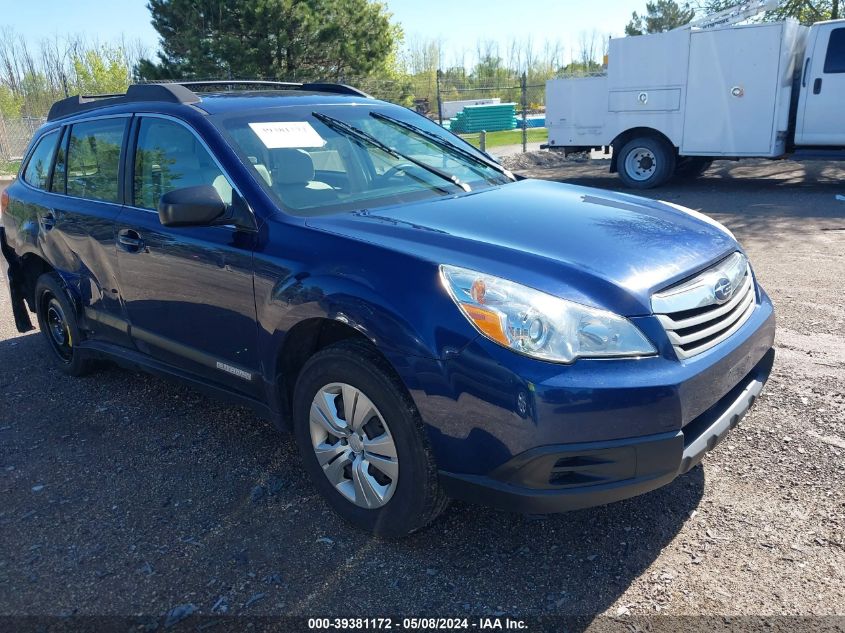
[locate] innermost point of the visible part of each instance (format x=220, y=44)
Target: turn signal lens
x=4, y=201
x=487, y=321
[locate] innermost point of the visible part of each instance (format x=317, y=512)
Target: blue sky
x=460, y=23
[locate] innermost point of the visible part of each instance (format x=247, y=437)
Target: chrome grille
x=701, y=313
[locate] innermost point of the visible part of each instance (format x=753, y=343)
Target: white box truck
x=670, y=103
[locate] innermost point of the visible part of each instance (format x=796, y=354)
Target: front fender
x=391, y=322
x=395, y=299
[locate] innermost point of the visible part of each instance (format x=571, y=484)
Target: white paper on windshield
x=276, y=134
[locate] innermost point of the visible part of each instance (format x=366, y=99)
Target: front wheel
x=645, y=162
x=362, y=442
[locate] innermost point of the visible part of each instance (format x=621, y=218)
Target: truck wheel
x=362, y=442
x=692, y=167
x=645, y=162
x=57, y=320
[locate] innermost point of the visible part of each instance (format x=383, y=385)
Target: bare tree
x=588, y=44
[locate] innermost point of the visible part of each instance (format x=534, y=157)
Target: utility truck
x=670, y=103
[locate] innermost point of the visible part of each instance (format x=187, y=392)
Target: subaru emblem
x=723, y=289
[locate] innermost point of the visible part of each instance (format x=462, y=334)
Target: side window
x=834, y=62
x=93, y=159
x=37, y=172
x=168, y=156
x=60, y=170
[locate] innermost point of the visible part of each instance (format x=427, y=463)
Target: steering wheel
x=394, y=171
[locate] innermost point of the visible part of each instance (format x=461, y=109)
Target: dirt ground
x=123, y=494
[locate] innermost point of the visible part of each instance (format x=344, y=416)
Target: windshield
x=352, y=157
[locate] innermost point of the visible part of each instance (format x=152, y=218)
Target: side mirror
x=191, y=206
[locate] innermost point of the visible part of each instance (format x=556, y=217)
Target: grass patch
x=9, y=167
x=508, y=137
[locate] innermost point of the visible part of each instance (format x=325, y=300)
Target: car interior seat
x=292, y=175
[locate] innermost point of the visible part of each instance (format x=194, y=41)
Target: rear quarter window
x=37, y=172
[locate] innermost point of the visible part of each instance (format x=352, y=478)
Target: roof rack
x=169, y=93
x=316, y=86
x=180, y=92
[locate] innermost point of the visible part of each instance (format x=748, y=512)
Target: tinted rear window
x=93, y=159
x=37, y=172
x=834, y=62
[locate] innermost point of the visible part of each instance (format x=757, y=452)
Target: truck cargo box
x=738, y=90
x=718, y=92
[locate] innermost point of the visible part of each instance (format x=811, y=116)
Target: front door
x=188, y=291
x=822, y=104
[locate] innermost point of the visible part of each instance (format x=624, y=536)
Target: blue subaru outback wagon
x=428, y=325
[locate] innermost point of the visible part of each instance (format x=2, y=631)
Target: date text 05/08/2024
x=426, y=624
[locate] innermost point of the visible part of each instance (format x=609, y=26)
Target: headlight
x=538, y=324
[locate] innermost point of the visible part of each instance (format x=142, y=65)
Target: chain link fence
x=441, y=96
x=15, y=135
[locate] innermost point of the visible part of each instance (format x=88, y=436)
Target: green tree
x=805, y=11
x=10, y=103
x=389, y=80
x=37, y=92
x=101, y=71
x=660, y=16
x=581, y=68
x=269, y=39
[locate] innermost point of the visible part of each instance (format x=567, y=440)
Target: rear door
x=28, y=203
x=188, y=291
x=822, y=102
x=77, y=225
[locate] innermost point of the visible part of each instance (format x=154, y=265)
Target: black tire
x=417, y=499
x=645, y=162
x=58, y=323
x=692, y=167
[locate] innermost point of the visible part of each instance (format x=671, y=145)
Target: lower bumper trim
x=490, y=492
x=717, y=423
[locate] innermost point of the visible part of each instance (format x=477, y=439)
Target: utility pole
x=524, y=85
x=439, y=100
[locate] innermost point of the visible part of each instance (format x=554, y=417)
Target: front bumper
x=558, y=478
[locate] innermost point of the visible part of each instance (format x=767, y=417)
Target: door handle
x=130, y=241
x=817, y=85
x=48, y=221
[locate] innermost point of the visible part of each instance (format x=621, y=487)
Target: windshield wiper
x=350, y=130
x=443, y=143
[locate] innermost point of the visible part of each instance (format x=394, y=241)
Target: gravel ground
x=123, y=494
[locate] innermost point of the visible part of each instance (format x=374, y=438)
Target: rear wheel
x=57, y=320
x=362, y=442
x=645, y=162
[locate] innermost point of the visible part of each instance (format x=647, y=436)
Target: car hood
x=597, y=247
